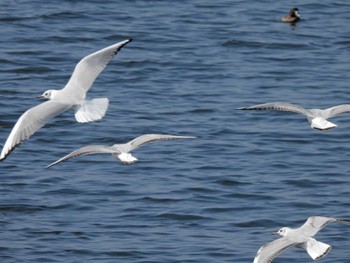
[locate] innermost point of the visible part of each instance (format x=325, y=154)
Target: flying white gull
x=316, y=117
x=71, y=96
x=300, y=237
x=120, y=151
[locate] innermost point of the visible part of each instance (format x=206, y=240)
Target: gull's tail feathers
x=91, y=110
x=125, y=158
x=322, y=124
x=316, y=249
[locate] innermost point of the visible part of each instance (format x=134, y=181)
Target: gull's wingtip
x=48, y=166
x=53, y=163
x=4, y=154
x=127, y=41
x=343, y=221
x=120, y=45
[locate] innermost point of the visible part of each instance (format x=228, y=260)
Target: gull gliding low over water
x=120, y=151
x=71, y=96
x=316, y=117
x=300, y=237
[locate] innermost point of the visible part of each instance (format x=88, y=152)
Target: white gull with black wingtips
x=316, y=117
x=120, y=151
x=71, y=96
x=300, y=237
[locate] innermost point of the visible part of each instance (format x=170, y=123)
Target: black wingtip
x=344, y=221
x=121, y=46
x=127, y=41
x=9, y=152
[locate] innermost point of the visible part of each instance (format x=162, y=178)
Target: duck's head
x=294, y=12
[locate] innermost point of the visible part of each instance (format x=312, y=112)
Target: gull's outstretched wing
x=31, y=121
x=86, y=150
x=87, y=70
x=271, y=250
x=336, y=110
x=148, y=138
x=278, y=106
x=315, y=223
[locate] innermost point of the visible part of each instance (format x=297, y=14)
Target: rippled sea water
x=191, y=64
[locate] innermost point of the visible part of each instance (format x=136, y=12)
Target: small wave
x=182, y=217
x=64, y=14
x=258, y=44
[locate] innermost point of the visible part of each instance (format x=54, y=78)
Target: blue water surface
x=192, y=63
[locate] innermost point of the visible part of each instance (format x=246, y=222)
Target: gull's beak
x=275, y=233
x=40, y=97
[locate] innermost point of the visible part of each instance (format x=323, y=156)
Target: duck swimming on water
x=293, y=16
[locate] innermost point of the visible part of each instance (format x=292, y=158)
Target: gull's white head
x=126, y=158
x=47, y=95
x=282, y=232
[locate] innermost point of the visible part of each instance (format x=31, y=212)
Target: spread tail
x=91, y=110
x=316, y=249
x=322, y=124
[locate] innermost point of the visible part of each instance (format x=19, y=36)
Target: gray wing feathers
x=31, y=121
x=315, y=223
x=271, y=250
x=86, y=150
x=336, y=110
x=148, y=138
x=278, y=106
x=88, y=69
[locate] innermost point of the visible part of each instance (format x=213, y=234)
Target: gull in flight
x=301, y=237
x=120, y=151
x=71, y=96
x=316, y=117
